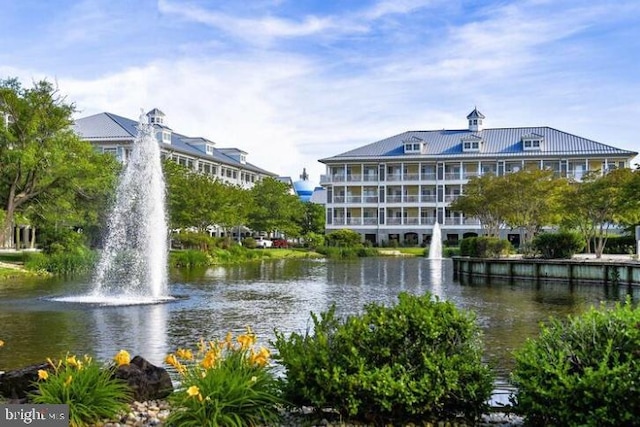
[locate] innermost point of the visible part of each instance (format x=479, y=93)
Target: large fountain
x=435, y=247
x=133, y=264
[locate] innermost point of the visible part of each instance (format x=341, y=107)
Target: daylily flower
x=1, y=343
x=122, y=358
x=68, y=380
x=71, y=360
x=42, y=374
x=193, y=390
x=184, y=353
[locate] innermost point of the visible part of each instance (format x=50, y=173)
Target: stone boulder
x=16, y=384
x=147, y=381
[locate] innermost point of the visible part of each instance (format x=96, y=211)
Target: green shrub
x=344, y=238
x=189, y=259
x=619, y=245
x=77, y=261
x=313, y=240
x=88, y=388
x=485, y=247
x=224, y=384
x=415, y=361
x=249, y=243
x=191, y=240
x=583, y=371
x=346, y=252
x=560, y=245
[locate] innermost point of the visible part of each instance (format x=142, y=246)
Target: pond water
x=272, y=294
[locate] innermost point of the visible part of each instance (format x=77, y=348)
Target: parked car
x=280, y=243
x=263, y=243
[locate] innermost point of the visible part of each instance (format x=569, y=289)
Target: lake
x=272, y=294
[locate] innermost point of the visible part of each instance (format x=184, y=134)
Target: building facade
x=399, y=187
x=115, y=134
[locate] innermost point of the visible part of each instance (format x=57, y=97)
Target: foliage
x=224, y=384
x=249, y=243
x=341, y=252
x=191, y=240
x=583, y=371
x=485, y=247
x=274, y=208
x=417, y=360
x=344, y=238
x=625, y=244
x=77, y=261
x=314, y=240
x=312, y=219
x=563, y=244
x=48, y=174
x=189, y=259
x=88, y=388
x=599, y=202
x=483, y=199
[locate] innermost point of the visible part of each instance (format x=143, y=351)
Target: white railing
x=451, y=197
x=370, y=178
x=394, y=199
x=452, y=175
x=411, y=177
x=354, y=177
x=411, y=198
x=370, y=199
x=428, y=198
x=370, y=221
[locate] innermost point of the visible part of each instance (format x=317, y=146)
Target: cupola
x=475, y=120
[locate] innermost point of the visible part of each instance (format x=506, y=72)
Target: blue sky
x=293, y=81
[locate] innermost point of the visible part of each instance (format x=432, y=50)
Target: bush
x=560, y=245
x=584, y=371
x=313, y=240
x=485, y=247
x=418, y=360
x=249, y=243
x=619, y=245
x=191, y=240
x=77, y=261
x=344, y=238
x=224, y=384
x=189, y=259
x=89, y=390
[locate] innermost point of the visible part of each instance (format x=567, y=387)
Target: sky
x=294, y=81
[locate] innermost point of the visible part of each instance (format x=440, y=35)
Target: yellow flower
x=71, y=361
x=228, y=340
x=171, y=360
x=184, y=353
x=209, y=360
x=68, y=380
x=1, y=343
x=260, y=358
x=193, y=390
x=122, y=358
x=42, y=374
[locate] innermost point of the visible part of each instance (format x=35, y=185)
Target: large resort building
x=396, y=189
x=115, y=134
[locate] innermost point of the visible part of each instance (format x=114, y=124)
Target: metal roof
x=502, y=142
x=106, y=126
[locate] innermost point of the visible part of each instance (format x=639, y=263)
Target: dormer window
x=243, y=158
x=413, y=145
x=166, y=137
x=532, y=142
x=471, y=144
x=209, y=149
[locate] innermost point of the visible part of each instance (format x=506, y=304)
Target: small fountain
x=133, y=265
x=435, y=248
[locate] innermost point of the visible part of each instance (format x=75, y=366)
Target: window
x=412, y=147
x=209, y=149
x=471, y=145
x=531, y=144
x=166, y=137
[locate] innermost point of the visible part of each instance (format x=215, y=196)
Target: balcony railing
x=428, y=176
x=370, y=221
x=411, y=198
x=470, y=174
x=411, y=177
x=370, y=199
x=354, y=177
x=451, y=197
x=370, y=178
x=394, y=199
x=353, y=199
x=428, y=220
x=452, y=175
x=428, y=198
x=394, y=177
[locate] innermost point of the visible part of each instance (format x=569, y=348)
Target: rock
x=16, y=384
x=147, y=381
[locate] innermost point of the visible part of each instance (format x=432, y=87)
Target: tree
x=43, y=164
x=312, y=219
x=274, y=208
x=532, y=198
x=598, y=203
x=484, y=199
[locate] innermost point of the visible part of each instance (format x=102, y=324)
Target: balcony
x=428, y=198
x=394, y=177
x=370, y=199
x=428, y=176
x=370, y=178
x=394, y=199
x=353, y=199
x=411, y=198
x=411, y=177
x=370, y=221
x=452, y=176
x=470, y=174
x=356, y=177
x=427, y=220
x=451, y=197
